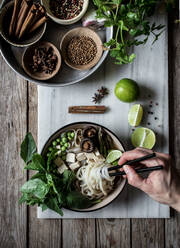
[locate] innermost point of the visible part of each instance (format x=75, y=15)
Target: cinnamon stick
x=22, y=15
x=87, y=109
x=38, y=24
x=27, y=21
x=13, y=22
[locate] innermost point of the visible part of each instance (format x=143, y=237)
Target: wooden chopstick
x=141, y=170
x=130, y=162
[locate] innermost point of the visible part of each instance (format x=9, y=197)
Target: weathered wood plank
x=79, y=233
x=13, y=106
x=113, y=233
x=172, y=226
x=42, y=233
x=148, y=233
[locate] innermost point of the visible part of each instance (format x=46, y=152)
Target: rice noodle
x=94, y=179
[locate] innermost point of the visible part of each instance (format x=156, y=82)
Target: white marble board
x=150, y=69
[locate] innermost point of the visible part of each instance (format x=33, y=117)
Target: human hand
x=162, y=185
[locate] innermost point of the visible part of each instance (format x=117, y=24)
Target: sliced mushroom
x=87, y=145
x=89, y=132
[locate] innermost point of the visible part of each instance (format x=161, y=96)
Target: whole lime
x=127, y=90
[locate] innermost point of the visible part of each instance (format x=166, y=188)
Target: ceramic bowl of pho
x=85, y=151
x=65, y=12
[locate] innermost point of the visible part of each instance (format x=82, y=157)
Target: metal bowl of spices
x=81, y=48
x=65, y=12
x=41, y=61
x=20, y=29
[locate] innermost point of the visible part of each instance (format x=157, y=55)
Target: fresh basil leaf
x=43, y=207
x=75, y=199
x=36, y=187
x=28, y=148
x=29, y=199
x=68, y=179
x=36, y=164
x=51, y=182
x=52, y=203
x=39, y=175
x=51, y=158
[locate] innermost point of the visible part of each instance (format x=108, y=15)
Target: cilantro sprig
x=132, y=26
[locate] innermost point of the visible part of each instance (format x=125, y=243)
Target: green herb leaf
x=28, y=148
x=130, y=20
x=43, y=207
x=39, y=175
x=36, y=164
x=29, y=199
x=68, y=179
x=75, y=199
x=51, y=158
x=52, y=203
x=36, y=187
x=51, y=182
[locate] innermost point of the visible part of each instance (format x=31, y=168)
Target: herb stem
x=117, y=32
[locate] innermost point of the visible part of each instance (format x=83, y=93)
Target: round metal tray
x=54, y=33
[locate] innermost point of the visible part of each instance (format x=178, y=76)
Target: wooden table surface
x=19, y=226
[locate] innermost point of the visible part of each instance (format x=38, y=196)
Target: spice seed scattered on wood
x=81, y=50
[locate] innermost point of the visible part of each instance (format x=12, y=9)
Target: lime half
x=143, y=137
x=135, y=115
x=113, y=155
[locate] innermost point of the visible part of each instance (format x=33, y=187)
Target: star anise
x=100, y=95
x=97, y=98
x=103, y=91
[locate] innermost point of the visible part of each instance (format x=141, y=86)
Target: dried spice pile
x=26, y=18
x=101, y=93
x=81, y=50
x=66, y=9
x=44, y=60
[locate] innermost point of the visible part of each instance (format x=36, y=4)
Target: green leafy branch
x=47, y=188
x=132, y=27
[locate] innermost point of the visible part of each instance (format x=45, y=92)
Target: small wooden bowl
x=5, y=19
x=77, y=32
x=27, y=61
x=46, y=4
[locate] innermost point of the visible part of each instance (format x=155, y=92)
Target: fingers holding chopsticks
x=137, y=153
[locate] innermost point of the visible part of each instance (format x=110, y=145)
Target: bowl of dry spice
x=81, y=48
x=41, y=61
x=65, y=12
x=22, y=22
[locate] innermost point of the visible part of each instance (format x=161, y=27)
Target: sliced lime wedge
x=143, y=137
x=135, y=115
x=113, y=155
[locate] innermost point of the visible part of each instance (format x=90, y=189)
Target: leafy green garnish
x=75, y=199
x=36, y=164
x=130, y=20
x=36, y=187
x=47, y=188
x=28, y=148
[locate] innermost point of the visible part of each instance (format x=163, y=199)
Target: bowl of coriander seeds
x=81, y=48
